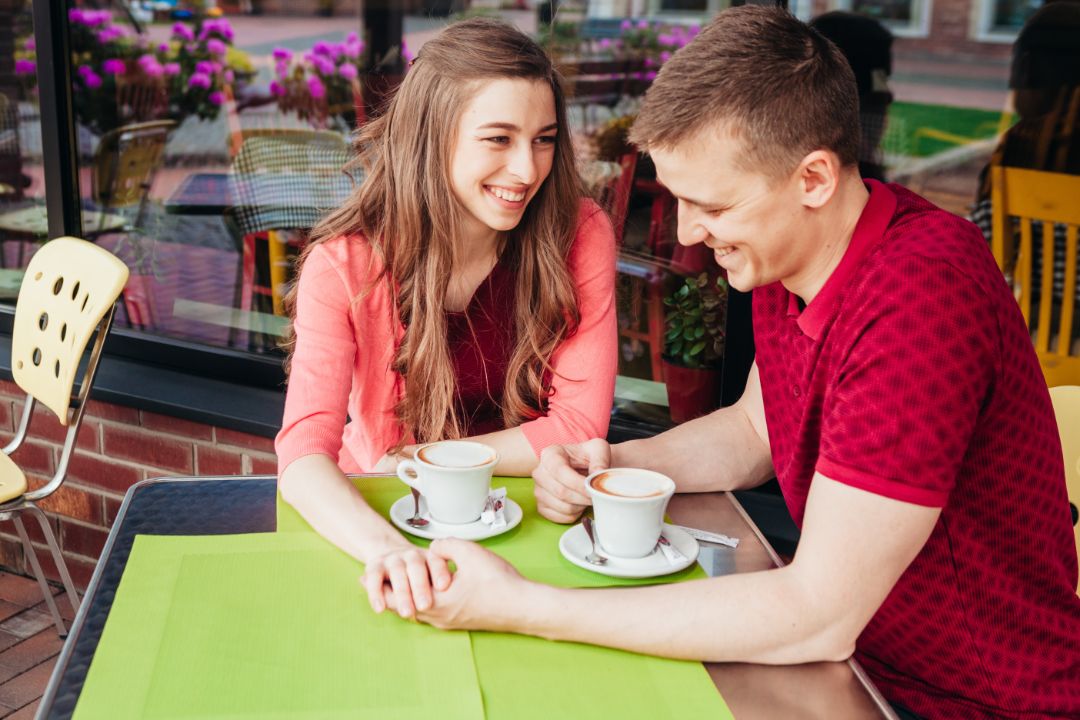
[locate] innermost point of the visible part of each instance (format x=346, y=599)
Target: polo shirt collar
x=869, y=231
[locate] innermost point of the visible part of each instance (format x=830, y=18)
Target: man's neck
x=831, y=231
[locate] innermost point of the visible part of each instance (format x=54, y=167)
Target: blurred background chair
x=68, y=294
x=282, y=184
x=1035, y=216
x=1066, y=399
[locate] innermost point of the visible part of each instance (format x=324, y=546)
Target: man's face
x=749, y=220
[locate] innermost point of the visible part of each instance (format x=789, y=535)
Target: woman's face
x=504, y=150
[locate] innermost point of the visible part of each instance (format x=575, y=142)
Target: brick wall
x=117, y=447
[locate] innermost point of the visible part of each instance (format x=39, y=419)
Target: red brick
x=27, y=687
x=176, y=426
x=113, y=413
x=82, y=539
x=28, y=712
x=112, y=509
x=11, y=558
x=262, y=464
x=30, y=652
x=33, y=528
x=101, y=472
x=19, y=590
x=32, y=456
x=211, y=460
x=45, y=426
x=7, y=415
x=148, y=448
x=244, y=440
x=72, y=501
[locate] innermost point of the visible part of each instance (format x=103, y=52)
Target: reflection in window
x=1009, y=15
x=897, y=12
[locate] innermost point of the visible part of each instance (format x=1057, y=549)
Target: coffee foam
x=630, y=484
x=453, y=454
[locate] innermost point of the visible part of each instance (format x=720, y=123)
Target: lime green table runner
x=276, y=626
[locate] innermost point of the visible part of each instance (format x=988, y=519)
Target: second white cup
x=629, y=506
x=454, y=476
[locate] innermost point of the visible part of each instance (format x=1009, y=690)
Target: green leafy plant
x=695, y=322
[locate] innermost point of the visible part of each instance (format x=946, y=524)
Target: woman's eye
x=546, y=139
x=498, y=140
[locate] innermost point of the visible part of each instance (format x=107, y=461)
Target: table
x=228, y=505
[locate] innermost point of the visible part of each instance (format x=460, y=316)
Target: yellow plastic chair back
x=69, y=286
x=1035, y=196
x=1066, y=399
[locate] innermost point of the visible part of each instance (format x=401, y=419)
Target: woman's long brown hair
x=406, y=210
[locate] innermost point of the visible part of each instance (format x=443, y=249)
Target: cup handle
x=409, y=473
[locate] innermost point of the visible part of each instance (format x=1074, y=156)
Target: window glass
x=1009, y=15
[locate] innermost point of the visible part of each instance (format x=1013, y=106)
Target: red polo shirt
x=912, y=375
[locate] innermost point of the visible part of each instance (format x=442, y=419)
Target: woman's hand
x=388, y=463
x=559, y=486
x=486, y=593
x=404, y=579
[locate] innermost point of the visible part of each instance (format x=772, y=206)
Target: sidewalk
x=29, y=645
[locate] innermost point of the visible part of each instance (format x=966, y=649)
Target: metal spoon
x=416, y=521
x=593, y=557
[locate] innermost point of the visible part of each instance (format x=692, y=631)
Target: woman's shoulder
x=351, y=256
x=593, y=224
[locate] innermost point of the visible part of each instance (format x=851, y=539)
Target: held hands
x=485, y=593
x=405, y=579
x=559, y=486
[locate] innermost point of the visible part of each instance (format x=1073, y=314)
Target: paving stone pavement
x=29, y=644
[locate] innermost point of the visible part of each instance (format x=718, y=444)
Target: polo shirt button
x=796, y=391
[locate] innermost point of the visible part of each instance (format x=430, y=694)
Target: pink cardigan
x=344, y=348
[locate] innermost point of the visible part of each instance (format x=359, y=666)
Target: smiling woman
x=465, y=289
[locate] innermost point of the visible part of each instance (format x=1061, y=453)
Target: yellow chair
x=1035, y=196
x=1066, y=399
x=68, y=292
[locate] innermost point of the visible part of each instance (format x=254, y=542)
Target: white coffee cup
x=454, y=476
x=629, y=506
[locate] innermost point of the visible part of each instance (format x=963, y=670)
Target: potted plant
x=694, y=345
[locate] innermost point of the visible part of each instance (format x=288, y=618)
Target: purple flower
x=182, y=32
x=643, y=25
x=200, y=80
x=31, y=43
x=277, y=89
x=650, y=76
x=229, y=76
x=348, y=71
x=84, y=70
x=172, y=68
x=316, y=88
x=25, y=67
x=163, y=48
x=605, y=43
x=216, y=47
x=665, y=56
x=649, y=62
x=322, y=48
x=666, y=39
x=110, y=33
x=352, y=37
x=217, y=97
x=282, y=54
x=626, y=25
x=204, y=66
x=323, y=65
x=282, y=69
x=75, y=15
x=113, y=66
x=92, y=80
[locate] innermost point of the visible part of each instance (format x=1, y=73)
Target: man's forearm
x=720, y=451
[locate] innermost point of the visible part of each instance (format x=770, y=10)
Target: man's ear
x=818, y=176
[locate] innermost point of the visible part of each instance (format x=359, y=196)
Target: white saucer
x=402, y=510
x=574, y=545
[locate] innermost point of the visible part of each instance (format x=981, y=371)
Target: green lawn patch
x=918, y=130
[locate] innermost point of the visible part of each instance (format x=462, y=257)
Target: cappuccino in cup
x=629, y=506
x=454, y=476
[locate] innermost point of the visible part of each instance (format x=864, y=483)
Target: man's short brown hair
x=763, y=75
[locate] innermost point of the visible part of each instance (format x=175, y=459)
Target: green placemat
x=523, y=678
x=266, y=626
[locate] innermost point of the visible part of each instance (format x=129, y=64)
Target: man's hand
x=486, y=593
x=559, y=486
x=405, y=580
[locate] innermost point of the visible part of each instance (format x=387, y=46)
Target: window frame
x=982, y=25
x=918, y=27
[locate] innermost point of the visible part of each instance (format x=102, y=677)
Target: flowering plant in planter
x=321, y=85
x=120, y=77
x=695, y=322
x=653, y=41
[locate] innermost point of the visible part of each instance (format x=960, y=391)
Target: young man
x=895, y=396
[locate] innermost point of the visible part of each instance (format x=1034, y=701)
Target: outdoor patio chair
x=68, y=292
x=1066, y=399
x=1047, y=201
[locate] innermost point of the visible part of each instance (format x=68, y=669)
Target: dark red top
x=912, y=375
x=481, y=341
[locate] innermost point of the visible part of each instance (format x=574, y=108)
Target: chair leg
x=58, y=558
x=28, y=548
